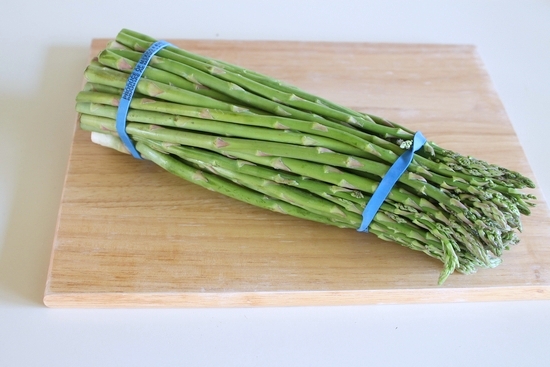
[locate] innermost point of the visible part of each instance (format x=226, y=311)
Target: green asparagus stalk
x=140, y=42
x=216, y=127
x=226, y=187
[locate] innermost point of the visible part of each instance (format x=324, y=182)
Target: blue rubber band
x=128, y=93
x=389, y=180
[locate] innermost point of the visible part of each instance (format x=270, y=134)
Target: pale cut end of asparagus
x=109, y=141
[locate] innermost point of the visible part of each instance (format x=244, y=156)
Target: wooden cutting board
x=131, y=235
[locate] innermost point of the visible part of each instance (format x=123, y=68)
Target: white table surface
x=44, y=49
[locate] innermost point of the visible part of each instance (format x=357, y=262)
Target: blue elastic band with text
x=389, y=180
x=128, y=93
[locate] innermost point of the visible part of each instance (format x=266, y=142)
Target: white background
x=44, y=49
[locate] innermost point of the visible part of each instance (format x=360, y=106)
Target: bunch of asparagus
x=272, y=145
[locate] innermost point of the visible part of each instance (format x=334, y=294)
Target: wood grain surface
x=131, y=235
